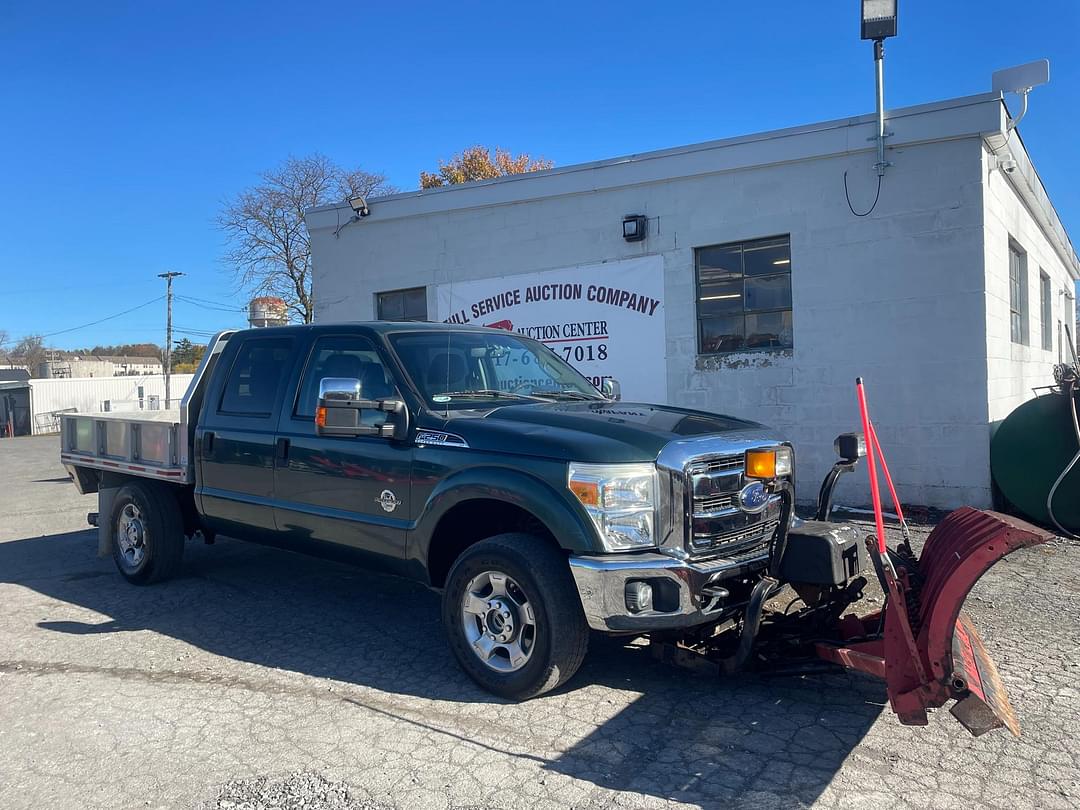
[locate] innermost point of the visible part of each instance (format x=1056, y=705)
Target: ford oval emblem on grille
x=753, y=498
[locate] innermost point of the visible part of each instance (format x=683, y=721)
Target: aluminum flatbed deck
x=150, y=444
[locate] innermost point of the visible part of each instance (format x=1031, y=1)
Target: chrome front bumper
x=681, y=596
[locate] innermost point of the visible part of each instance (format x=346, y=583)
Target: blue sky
x=126, y=124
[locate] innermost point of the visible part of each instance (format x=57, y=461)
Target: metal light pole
x=879, y=64
x=878, y=23
x=168, y=330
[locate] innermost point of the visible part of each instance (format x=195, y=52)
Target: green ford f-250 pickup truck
x=474, y=460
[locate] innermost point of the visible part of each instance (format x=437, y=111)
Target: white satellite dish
x=1021, y=78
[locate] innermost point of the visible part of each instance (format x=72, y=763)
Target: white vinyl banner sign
x=606, y=320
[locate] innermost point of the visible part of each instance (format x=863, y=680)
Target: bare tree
x=481, y=163
x=269, y=251
x=4, y=346
x=29, y=353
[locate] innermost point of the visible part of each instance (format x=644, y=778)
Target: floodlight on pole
x=878, y=19
x=878, y=23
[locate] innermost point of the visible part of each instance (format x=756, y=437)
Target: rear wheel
x=147, y=533
x=513, y=617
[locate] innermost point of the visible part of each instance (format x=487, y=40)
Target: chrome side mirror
x=340, y=409
x=611, y=389
x=339, y=388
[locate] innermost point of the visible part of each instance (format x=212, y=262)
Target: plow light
x=766, y=464
x=850, y=446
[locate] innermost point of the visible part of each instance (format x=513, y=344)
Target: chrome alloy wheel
x=499, y=621
x=131, y=535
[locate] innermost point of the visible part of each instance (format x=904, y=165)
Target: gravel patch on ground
x=298, y=791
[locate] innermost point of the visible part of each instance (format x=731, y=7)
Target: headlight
x=620, y=499
x=768, y=463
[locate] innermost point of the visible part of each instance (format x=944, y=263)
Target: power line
x=196, y=332
x=207, y=302
x=203, y=305
x=94, y=323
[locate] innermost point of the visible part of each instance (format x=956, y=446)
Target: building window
x=403, y=305
x=744, y=295
x=1018, y=294
x=1045, y=307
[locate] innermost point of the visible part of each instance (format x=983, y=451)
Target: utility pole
x=168, y=330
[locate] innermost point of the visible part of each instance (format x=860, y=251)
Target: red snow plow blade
x=927, y=650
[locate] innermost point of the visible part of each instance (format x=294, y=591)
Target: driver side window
x=350, y=358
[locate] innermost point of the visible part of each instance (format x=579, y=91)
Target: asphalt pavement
x=261, y=678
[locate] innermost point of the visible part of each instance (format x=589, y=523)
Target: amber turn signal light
x=320, y=416
x=588, y=492
x=761, y=464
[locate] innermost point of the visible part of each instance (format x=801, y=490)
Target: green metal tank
x=1027, y=454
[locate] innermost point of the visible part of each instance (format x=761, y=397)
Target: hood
x=591, y=431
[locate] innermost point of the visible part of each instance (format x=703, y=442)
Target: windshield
x=455, y=367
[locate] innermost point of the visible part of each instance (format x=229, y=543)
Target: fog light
x=638, y=597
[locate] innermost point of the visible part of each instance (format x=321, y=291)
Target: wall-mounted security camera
x=359, y=206
x=1007, y=165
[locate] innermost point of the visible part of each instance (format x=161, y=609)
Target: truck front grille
x=718, y=525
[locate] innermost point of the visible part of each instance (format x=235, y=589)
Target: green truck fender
x=479, y=502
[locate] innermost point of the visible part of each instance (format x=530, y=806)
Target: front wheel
x=513, y=617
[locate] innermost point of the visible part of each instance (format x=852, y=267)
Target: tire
x=147, y=533
x=548, y=627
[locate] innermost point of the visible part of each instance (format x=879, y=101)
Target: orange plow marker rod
x=871, y=466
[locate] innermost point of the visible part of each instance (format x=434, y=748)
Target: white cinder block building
x=757, y=291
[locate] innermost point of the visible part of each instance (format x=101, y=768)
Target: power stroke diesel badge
x=388, y=501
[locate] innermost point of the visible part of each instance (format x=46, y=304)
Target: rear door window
x=255, y=379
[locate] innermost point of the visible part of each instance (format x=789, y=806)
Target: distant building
x=89, y=365
x=267, y=311
x=14, y=402
x=31, y=407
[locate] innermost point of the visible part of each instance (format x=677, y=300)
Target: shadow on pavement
x=686, y=737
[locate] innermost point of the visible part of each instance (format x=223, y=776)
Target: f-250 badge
x=388, y=501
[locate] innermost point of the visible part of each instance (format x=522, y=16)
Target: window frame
x=1019, y=313
x=379, y=296
x=743, y=244
x=1046, y=310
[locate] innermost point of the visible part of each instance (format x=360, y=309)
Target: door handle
x=281, y=454
x=208, y=443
